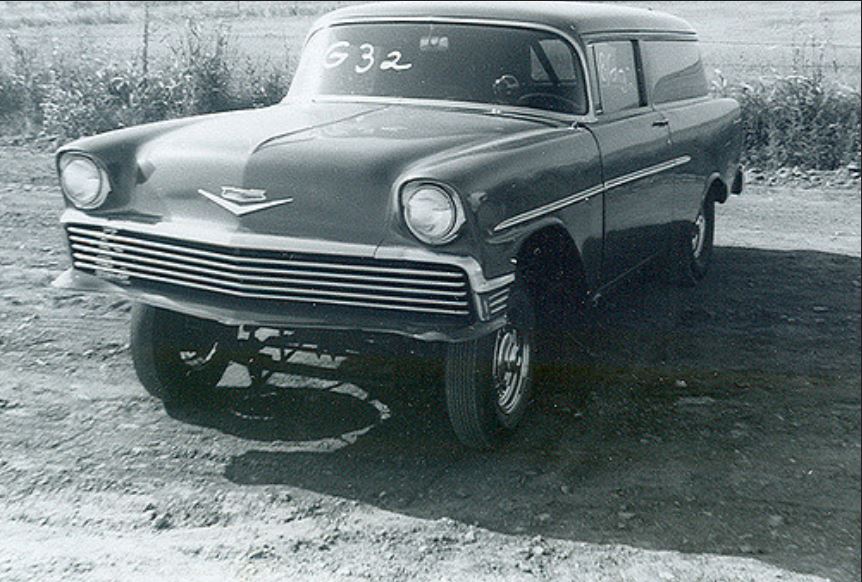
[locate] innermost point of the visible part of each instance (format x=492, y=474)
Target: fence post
x=146, y=49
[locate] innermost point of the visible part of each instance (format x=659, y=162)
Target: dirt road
x=708, y=434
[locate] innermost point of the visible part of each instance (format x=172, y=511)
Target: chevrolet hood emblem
x=241, y=201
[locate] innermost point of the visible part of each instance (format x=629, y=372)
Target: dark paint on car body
x=552, y=202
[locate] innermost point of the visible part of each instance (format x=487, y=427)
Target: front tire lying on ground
x=488, y=381
x=177, y=358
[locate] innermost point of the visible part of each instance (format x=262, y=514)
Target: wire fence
x=105, y=32
x=121, y=41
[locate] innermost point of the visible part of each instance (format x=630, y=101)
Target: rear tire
x=692, y=251
x=177, y=358
x=488, y=381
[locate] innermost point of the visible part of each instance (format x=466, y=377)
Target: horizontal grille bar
x=272, y=275
x=280, y=297
x=86, y=244
x=85, y=254
x=225, y=255
x=134, y=270
x=498, y=301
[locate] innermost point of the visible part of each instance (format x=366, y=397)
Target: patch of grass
x=805, y=118
x=76, y=96
x=21, y=89
x=798, y=122
x=21, y=15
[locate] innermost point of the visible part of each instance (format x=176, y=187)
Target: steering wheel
x=556, y=102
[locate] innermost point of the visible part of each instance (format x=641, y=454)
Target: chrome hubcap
x=699, y=235
x=511, y=368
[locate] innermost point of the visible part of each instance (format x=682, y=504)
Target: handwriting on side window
x=337, y=54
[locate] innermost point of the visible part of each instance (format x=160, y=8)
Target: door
x=679, y=90
x=636, y=158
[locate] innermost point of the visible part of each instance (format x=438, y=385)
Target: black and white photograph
x=430, y=291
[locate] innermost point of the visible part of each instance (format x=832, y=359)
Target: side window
x=617, y=75
x=560, y=58
x=674, y=70
x=556, y=81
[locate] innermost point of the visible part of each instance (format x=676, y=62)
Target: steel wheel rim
x=195, y=360
x=511, y=368
x=699, y=238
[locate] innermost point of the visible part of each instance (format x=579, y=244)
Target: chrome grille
x=271, y=275
x=497, y=301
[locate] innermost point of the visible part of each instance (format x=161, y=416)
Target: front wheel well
x=550, y=267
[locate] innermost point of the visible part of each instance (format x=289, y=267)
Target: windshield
x=452, y=62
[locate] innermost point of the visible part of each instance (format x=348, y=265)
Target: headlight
x=432, y=214
x=84, y=182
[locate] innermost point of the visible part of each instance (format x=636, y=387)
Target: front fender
x=521, y=175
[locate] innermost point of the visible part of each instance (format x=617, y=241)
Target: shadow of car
x=691, y=418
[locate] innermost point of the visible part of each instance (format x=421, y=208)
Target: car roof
x=570, y=17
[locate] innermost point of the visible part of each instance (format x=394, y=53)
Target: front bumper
x=244, y=278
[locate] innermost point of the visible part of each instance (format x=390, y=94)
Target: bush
x=22, y=88
x=72, y=98
x=798, y=121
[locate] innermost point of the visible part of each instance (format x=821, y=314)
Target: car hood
x=336, y=162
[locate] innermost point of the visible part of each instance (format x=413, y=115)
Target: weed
x=804, y=119
x=80, y=96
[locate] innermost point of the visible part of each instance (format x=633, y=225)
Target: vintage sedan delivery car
x=461, y=174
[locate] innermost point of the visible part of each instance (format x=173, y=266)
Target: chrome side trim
x=647, y=172
x=548, y=208
x=591, y=192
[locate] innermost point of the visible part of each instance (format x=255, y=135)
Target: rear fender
x=715, y=187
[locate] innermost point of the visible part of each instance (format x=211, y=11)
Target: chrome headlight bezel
x=91, y=199
x=452, y=227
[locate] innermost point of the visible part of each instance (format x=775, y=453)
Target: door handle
x=661, y=123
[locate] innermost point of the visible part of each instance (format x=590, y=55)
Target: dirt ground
x=691, y=435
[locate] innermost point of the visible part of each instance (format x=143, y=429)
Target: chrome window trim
x=590, y=193
x=486, y=108
x=566, y=36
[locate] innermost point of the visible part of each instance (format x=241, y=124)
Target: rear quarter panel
x=710, y=132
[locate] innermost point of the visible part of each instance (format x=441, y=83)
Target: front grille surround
x=427, y=289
